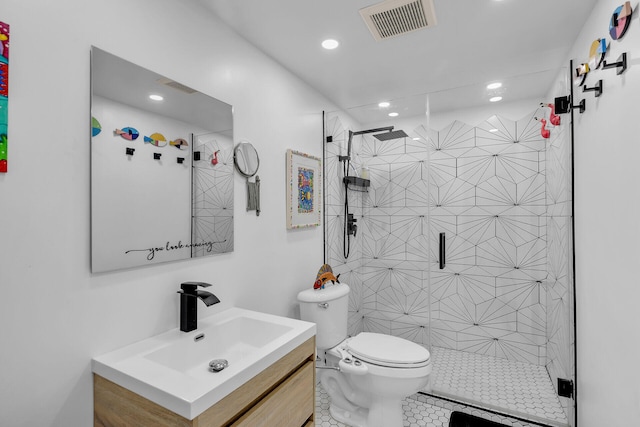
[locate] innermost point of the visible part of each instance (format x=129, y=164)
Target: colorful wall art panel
x=4, y=94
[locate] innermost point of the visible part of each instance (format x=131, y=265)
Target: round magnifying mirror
x=246, y=158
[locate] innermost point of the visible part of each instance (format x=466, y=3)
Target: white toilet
x=368, y=375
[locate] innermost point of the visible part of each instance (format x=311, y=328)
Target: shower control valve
x=352, y=228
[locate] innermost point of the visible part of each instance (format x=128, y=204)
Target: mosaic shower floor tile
x=516, y=388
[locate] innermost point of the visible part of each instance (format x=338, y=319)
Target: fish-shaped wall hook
x=96, y=127
x=180, y=143
x=214, y=158
x=156, y=139
x=127, y=133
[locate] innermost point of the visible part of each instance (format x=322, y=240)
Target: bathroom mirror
x=161, y=170
x=246, y=158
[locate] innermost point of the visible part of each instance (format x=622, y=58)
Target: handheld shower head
x=349, y=145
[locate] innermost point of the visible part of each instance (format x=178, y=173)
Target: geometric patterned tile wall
x=395, y=239
x=488, y=195
x=485, y=187
x=212, y=195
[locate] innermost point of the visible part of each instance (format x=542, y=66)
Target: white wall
x=54, y=314
x=607, y=208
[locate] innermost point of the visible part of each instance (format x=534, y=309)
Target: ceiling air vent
x=179, y=86
x=394, y=17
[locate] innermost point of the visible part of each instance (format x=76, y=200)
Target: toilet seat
x=386, y=350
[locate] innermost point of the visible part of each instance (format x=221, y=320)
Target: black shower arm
x=362, y=132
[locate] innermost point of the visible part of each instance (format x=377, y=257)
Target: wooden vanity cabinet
x=283, y=395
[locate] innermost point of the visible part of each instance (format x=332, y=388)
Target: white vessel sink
x=172, y=369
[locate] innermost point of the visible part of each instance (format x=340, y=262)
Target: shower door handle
x=442, y=251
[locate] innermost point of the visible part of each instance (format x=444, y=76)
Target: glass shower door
x=501, y=302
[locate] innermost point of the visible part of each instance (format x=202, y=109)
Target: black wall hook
x=157, y=156
x=563, y=105
x=180, y=160
x=130, y=151
x=196, y=155
x=620, y=65
x=597, y=89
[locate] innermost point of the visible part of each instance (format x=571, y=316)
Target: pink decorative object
x=543, y=131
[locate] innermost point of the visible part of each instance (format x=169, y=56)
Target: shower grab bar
x=442, y=250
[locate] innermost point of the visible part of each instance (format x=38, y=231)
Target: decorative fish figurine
x=96, y=127
x=324, y=275
x=129, y=134
x=180, y=143
x=156, y=139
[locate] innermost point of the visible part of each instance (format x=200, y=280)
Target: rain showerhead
x=387, y=134
x=394, y=134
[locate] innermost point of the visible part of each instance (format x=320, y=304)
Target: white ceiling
x=475, y=42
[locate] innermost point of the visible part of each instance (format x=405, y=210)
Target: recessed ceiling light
x=156, y=97
x=416, y=139
x=393, y=114
x=493, y=130
x=495, y=99
x=384, y=104
x=495, y=85
x=330, y=44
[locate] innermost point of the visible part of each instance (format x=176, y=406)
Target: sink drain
x=218, y=365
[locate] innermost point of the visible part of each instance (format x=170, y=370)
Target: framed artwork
x=304, y=181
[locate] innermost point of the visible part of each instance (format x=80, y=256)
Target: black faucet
x=189, y=295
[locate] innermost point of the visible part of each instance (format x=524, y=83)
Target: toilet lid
x=387, y=350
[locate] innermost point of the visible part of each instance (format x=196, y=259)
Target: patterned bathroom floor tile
x=419, y=411
x=416, y=413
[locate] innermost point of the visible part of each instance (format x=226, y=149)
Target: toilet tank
x=328, y=309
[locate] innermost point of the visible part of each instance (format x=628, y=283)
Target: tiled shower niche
x=499, y=192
